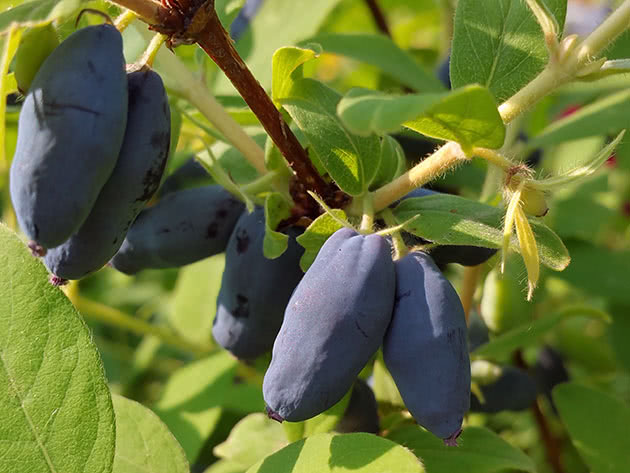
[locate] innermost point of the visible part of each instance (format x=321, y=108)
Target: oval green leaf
x=323, y=453
x=143, y=443
x=54, y=402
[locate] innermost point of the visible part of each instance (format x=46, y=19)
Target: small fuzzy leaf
x=316, y=235
x=286, y=64
x=277, y=209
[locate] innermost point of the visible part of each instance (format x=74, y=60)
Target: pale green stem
x=152, y=50
x=367, y=221
x=435, y=165
x=108, y=315
x=263, y=183
x=124, y=20
x=196, y=92
x=564, y=70
x=400, y=248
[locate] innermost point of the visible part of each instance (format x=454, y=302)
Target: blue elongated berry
x=184, y=227
x=70, y=131
x=135, y=179
x=425, y=348
x=254, y=290
x=334, y=322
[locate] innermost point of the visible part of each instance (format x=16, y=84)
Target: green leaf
x=195, y=396
x=10, y=44
x=392, y=163
x=604, y=116
x=327, y=420
x=38, y=12
x=277, y=209
x=499, y=44
x=382, y=52
x=274, y=161
x=479, y=451
x=599, y=271
x=365, y=111
x=468, y=116
x=143, y=442
x=286, y=65
x=252, y=438
x=452, y=220
x=55, y=405
x=597, y=424
x=316, y=235
x=290, y=22
x=323, y=453
x=352, y=161
x=502, y=347
x=195, y=299
x=224, y=466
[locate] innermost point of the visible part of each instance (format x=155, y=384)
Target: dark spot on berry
x=242, y=241
x=241, y=311
x=221, y=214
x=212, y=230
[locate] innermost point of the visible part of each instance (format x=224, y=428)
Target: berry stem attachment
x=400, y=248
x=124, y=20
x=154, y=47
x=367, y=222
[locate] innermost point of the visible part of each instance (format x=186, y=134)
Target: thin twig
x=552, y=446
x=215, y=41
x=379, y=17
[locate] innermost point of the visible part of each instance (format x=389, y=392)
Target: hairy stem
x=560, y=72
x=400, y=248
x=435, y=165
